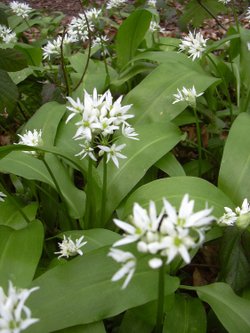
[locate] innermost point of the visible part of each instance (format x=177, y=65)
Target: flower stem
x=88, y=195
x=160, y=304
x=104, y=190
x=198, y=134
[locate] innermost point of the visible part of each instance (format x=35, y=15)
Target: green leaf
x=234, y=172
x=235, y=268
x=20, y=251
x=20, y=76
x=170, y=165
x=81, y=291
x=131, y=34
x=32, y=53
x=8, y=93
x=187, y=316
x=231, y=310
x=12, y=60
x=173, y=189
x=196, y=14
x=47, y=118
x=97, y=327
x=155, y=141
x=10, y=215
x=152, y=99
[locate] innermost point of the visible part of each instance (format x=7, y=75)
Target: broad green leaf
x=8, y=93
x=20, y=251
x=74, y=197
x=155, y=141
x=81, y=291
x=234, y=172
x=152, y=99
x=97, y=327
x=187, y=316
x=10, y=214
x=195, y=13
x=232, y=310
x=173, y=189
x=47, y=118
x=20, y=76
x=235, y=267
x=130, y=35
x=33, y=53
x=12, y=60
x=170, y=165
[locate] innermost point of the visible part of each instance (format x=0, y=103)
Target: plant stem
x=64, y=69
x=160, y=304
x=104, y=191
x=88, y=195
x=198, y=134
x=211, y=14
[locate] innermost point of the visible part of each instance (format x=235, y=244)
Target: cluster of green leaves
x=43, y=203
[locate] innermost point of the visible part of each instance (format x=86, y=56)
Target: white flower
x=129, y=132
x=78, y=29
x=154, y=26
x=115, y=3
x=93, y=14
x=100, y=41
x=87, y=150
x=194, y=45
x=54, y=47
x=225, y=2
x=15, y=316
x=116, y=110
x=70, y=248
x=155, y=263
x=112, y=152
x=231, y=217
x=2, y=196
x=33, y=139
x=20, y=8
x=76, y=107
x=7, y=35
x=187, y=95
x=152, y=3
x=128, y=262
x=248, y=14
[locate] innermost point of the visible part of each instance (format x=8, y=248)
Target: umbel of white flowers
x=193, y=44
x=15, y=316
x=20, y=9
x=98, y=120
x=70, y=248
x=7, y=35
x=186, y=95
x=31, y=138
x=240, y=216
x=162, y=236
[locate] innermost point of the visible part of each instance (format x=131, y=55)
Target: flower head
x=154, y=26
x=115, y=3
x=194, y=45
x=78, y=29
x=20, y=9
x=128, y=261
x=70, y=248
x=53, y=48
x=166, y=235
x=33, y=139
x=248, y=14
x=231, y=217
x=15, y=316
x=187, y=95
x=152, y=3
x=225, y=2
x=7, y=35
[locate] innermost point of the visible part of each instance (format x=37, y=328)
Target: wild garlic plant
x=100, y=121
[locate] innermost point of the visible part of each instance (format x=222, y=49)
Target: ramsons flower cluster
x=240, y=216
x=31, y=138
x=7, y=35
x=70, y=248
x=21, y=9
x=194, y=44
x=188, y=95
x=15, y=316
x=163, y=236
x=98, y=119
